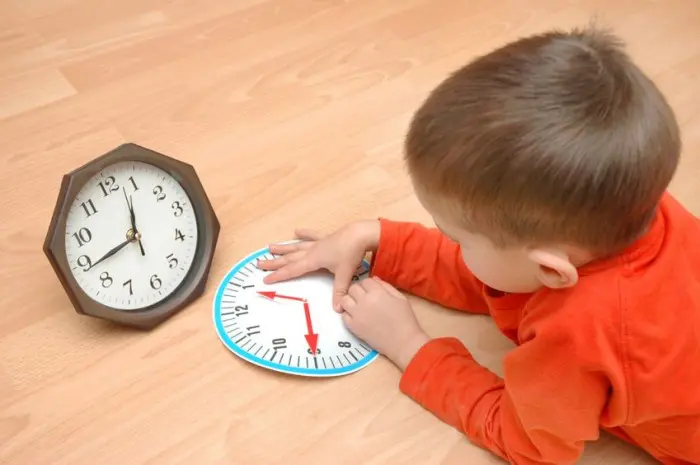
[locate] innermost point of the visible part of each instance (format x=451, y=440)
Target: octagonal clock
x=132, y=236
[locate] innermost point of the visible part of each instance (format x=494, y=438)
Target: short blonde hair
x=554, y=138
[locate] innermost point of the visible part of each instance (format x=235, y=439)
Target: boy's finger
x=356, y=291
x=347, y=320
x=347, y=304
x=341, y=284
x=308, y=234
x=293, y=270
x=278, y=262
x=288, y=247
x=270, y=265
x=370, y=285
x=389, y=288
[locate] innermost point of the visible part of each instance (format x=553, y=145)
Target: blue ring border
x=216, y=314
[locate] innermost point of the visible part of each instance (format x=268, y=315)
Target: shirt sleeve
x=543, y=411
x=425, y=263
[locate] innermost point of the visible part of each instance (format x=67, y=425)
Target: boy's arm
x=425, y=263
x=548, y=404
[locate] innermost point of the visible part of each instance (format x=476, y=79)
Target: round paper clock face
x=288, y=327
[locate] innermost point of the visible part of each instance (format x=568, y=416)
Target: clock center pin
x=132, y=235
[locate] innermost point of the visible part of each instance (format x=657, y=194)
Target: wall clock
x=288, y=327
x=132, y=236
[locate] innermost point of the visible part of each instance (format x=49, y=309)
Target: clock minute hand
x=132, y=217
x=311, y=337
x=112, y=252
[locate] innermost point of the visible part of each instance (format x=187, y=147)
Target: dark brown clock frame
x=208, y=226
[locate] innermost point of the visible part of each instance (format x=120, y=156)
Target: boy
x=545, y=166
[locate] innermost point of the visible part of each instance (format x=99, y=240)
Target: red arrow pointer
x=311, y=338
x=273, y=294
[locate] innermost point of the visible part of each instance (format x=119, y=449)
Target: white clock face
x=289, y=327
x=141, y=272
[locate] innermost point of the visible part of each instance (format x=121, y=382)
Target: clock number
x=241, y=310
x=344, y=344
x=133, y=183
x=158, y=192
x=308, y=350
x=253, y=330
x=89, y=208
x=85, y=262
x=280, y=343
x=178, y=209
x=131, y=290
x=178, y=235
x=172, y=261
x=82, y=236
x=108, y=186
x=155, y=282
x=106, y=279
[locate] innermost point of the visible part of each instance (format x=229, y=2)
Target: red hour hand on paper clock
x=272, y=295
x=311, y=337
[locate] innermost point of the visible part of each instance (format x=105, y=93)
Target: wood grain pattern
x=293, y=113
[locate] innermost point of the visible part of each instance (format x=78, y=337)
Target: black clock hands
x=113, y=251
x=131, y=235
x=132, y=217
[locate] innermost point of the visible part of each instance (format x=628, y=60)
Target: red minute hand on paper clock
x=311, y=337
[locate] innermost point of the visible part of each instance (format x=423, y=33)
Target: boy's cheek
x=472, y=260
x=490, y=271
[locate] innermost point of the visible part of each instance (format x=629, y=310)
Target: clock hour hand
x=272, y=295
x=132, y=217
x=112, y=252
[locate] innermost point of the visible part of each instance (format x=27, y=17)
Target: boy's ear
x=555, y=270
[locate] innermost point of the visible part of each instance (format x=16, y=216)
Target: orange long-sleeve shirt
x=619, y=351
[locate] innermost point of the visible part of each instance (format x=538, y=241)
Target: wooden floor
x=293, y=112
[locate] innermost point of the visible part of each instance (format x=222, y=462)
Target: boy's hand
x=341, y=253
x=380, y=315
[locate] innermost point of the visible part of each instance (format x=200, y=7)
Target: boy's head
x=547, y=153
